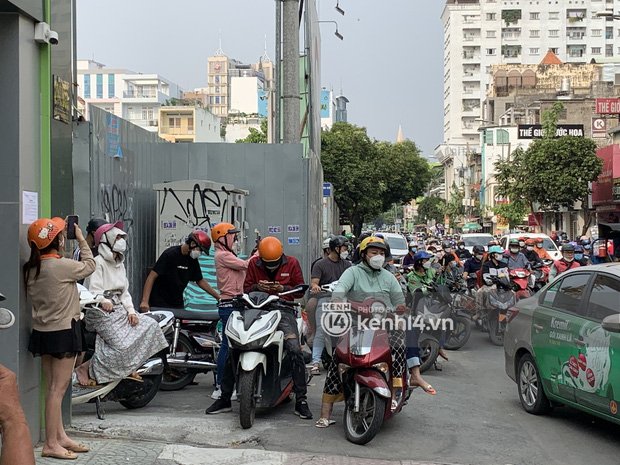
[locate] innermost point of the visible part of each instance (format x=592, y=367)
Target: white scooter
x=129, y=394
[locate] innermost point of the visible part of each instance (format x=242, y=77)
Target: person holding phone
x=91, y=227
x=57, y=337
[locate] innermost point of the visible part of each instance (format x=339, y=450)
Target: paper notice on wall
x=30, y=207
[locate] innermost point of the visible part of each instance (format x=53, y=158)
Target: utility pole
x=277, y=74
x=290, y=72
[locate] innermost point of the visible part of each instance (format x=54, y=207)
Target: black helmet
x=568, y=247
x=461, y=242
x=94, y=224
x=338, y=241
x=478, y=249
x=446, y=245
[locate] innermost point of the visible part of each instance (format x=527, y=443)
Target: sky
x=389, y=65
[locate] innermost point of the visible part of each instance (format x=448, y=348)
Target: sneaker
x=234, y=395
x=302, y=410
x=219, y=406
x=217, y=393
x=6, y=318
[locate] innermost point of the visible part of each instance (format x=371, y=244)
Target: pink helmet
x=101, y=230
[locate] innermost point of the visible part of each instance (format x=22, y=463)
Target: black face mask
x=273, y=265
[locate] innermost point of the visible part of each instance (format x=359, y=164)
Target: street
x=475, y=418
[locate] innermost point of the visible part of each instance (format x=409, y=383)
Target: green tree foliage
x=431, y=208
x=513, y=212
x=553, y=172
x=454, y=207
x=370, y=176
x=255, y=136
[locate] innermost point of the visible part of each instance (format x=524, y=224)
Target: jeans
x=318, y=343
x=224, y=310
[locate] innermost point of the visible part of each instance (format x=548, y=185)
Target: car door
x=556, y=326
x=599, y=367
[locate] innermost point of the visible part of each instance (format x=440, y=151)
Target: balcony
x=175, y=131
x=470, y=57
x=471, y=76
x=145, y=123
x=139, y=95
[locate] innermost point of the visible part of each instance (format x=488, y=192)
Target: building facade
x=188, y=124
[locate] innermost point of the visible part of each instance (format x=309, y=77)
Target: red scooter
x=364, y=359
x=522, y=283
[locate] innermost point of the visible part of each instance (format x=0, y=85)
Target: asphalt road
x=475, y=418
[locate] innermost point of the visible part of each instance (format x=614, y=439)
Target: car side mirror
x=611, y=323
x=295, y=290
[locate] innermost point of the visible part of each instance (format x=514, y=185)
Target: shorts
x=65, y=343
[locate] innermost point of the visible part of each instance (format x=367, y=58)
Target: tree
x=437, y=176
x=431, y=208
x=454, y=207
x=513, y=212
x=553, y=172
x=255, y=136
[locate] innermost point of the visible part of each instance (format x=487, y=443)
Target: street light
x=338, y=9
x=337, y=34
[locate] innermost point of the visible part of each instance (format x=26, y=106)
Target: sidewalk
x=121, y=451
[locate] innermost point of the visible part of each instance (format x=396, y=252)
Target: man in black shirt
x=175, y=268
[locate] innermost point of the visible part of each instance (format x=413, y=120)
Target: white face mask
x=447, y=250
x=567, y=259
x=539, y=246
x=461, y=247
x=479, y=257
x=344, y=255
x=195, y=254
x=120, y=246
x=513, y=250
x=499, y=256
x=530, y=248
x=376, y=262
x=427, y=264
x=236, y=247
x=522, y=244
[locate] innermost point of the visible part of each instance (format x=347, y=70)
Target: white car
x=473, y=239
x=398, y=245
x=548, y=244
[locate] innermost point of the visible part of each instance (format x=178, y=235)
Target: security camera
x=44, y=35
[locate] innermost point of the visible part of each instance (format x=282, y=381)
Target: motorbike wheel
x=151, y=385
x=361, y=427
x=247, y=391
x=429, y=351
x=178, y=378
x=496, y=332
x=459, y=335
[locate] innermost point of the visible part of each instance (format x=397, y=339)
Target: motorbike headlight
x=266, y=328
x=230, y=330
x=378, y=310
x=257, y=344
x=520, y=274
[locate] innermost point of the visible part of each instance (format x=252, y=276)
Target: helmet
x=221, y=229
x=539, y=240
x=568, y=247
x=446, y=245
x=42, y=232
x=94, y=224
x=585, y=241
x=326, y=243
x=337, y=241
x=492, y=243
x=373, y=241
x=461, y=242
x=496, y=249
x=578, y=249
x=270, y=249
x=201, y=238
x=530, y=242
x=349, y=236
x=522, y=238
x=413, y=244
x=514, y=242
x=421, y=255
x=478, y=249
x=104, y=228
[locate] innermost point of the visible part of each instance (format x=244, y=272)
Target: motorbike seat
x=184, y=314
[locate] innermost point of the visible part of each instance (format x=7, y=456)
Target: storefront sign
x=535, y=131
x=607, y=106
x=599, y=127
x=615, y=192
x=603, y=188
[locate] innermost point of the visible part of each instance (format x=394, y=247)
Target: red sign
x=602, y=189
x=607, y=106
x=531, y=220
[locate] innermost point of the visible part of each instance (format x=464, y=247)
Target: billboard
x=607, y=106
x=325, y=104
x=535, y=131
x=603, y=188
x=263, y=103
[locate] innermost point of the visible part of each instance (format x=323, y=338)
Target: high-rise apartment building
x=479, y=33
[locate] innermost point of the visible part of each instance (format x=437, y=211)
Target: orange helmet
x=221, y=229
x=42, y=232
x=270, y=249
x=530, y=242
x=539, y=240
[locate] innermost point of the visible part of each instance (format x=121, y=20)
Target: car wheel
x=531, y=393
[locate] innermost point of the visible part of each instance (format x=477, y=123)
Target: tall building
x=480, y=33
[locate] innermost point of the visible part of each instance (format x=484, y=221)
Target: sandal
x=429, y=389
x=135, y=377
x=315, y=370
x=324, y=423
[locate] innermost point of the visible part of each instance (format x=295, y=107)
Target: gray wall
x=32, y=8
x=285, y=188
x=20, y=131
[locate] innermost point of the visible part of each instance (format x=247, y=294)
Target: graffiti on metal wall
x=117, y=205
x=199, y=208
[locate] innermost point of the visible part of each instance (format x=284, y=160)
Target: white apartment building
x=133, y=96
x=479, y=33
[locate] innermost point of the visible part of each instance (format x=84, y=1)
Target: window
x=217, y=100
x=554, y=33
x=491, y=34
x=596, y=50
x=609, y=33
x=534, y=51
x=490, y=51
x=567, y=295
x=110, y=85
x=554, y=15
x=597, y=32
x=502, y=136
x=534, y=33
x=534, y=15
x=99, y=85
x=190, y=124
x=488, y=137
x=605, y=298
x=87, y=86
x=147, y=113
x=555, y=50
x=174, y=122
x=491, y=16
x=609, y=50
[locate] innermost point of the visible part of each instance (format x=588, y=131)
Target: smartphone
x=72, y=220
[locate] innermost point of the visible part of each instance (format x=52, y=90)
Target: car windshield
x=397, y=243
x=477, y=240
x=549, y=245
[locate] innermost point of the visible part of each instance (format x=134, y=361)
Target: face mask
x=504, y=260
x=578, y=256
x=539, y=246
x=195, y=254
x=461, y=247
x=61, y=244
x=499, y=257
x=344, y=255
x=413, y=250
x=376, y=262
x=236, y=248
x=427, y=264
x=514, y=250
x=522, y=244
x=587, y=247
x=120, y=246
x=479, y=257
x=447, y=250
x=530, y=248
x=569, y=259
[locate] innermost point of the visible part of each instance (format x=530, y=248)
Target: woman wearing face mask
x=531, y=255
x=581, y=257
x=494, y=265
x=413, y=249
x=124, y=340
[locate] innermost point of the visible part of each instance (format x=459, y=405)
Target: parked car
x=476, y=239
x=548, y=244
x=398, y=245
x=561, y=345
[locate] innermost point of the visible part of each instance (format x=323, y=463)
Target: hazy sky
x=390, y=64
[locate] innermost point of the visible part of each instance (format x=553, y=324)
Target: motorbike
x=364, y=359
x=541, y=274
x=194, y=345
x=130, y=394
x=523, y=283
x=264, y=372
x=500, y=300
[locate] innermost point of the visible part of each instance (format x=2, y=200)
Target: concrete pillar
x=290, y=72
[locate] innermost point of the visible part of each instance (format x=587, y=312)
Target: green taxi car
x=562, y=345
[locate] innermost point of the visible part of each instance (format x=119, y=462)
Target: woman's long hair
x=35, y=260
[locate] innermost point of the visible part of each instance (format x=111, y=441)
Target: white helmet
x=413, y=244
x=326, y=243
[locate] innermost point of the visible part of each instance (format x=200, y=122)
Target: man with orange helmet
x=540, y=250
x=174, y=269
x=530, y=253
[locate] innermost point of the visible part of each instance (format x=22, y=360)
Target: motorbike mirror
x=295, y=290
x=611, y=323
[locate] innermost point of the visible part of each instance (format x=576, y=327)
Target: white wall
x=244, y=95
x=207, y=126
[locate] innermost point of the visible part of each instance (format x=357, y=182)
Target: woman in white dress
x=125, y=340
